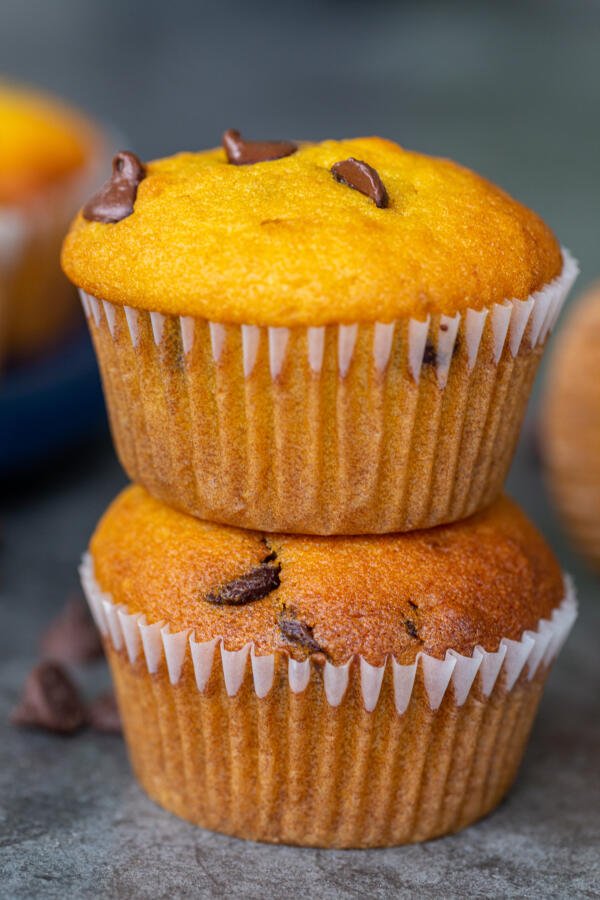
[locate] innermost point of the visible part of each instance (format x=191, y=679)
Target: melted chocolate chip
x=72, y=636
x=104, y=714
x=114, y=201
x=50, y=700
x=298, y=632
x=243, y=153
x=255, y=585
x=411, y=628
x=429, y=355
x=359, y=175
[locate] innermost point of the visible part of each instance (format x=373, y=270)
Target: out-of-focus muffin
x=326, y=691
x=49, y=158
x=570, y=425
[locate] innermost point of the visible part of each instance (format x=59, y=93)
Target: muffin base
x=320, y=755
x=290, y=768
x=345, y=429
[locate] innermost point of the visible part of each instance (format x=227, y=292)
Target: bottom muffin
x=331, y=692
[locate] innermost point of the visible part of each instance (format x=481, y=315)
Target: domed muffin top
x=452, y=587
x=287, y=241
x=40, y=142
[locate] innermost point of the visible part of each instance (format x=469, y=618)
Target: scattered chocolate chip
x=359, y=175
x=298, y=632
x=50, y=700
x=72, y=636
x=429, y=355
x=243, y=153
x=411, y=628
x=114, y=201
x=104, y=714
x=255, y=585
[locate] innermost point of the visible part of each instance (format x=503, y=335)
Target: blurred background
x=511, y=89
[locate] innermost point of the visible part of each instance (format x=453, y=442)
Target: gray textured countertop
x=73, y=822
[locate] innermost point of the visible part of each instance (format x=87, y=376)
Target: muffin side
x=336, y=430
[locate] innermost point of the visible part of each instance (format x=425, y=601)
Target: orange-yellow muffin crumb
x=283, y=243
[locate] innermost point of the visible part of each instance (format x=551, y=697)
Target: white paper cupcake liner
x=342, y=429
x=512, y=323
x=153, y=642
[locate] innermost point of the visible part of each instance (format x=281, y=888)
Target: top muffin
x=41, y=142
x=283, y=242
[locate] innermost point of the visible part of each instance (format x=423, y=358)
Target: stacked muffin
x=331, y=346
x=48, y=160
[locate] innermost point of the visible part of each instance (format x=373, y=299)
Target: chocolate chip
x=104, y=714
x=298, y=632
x=114, y=201
x=364, y=178
x=429, y=355
x=50, y=700
x=411, y=628
x=72, y=636
x=243, y=153
x=255, y=585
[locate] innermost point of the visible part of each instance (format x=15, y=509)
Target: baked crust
x=282, y=243
x=453, y=587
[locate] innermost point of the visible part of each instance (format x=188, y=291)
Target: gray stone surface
x=512, y=89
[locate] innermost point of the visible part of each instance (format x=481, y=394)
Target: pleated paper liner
x=36, y=300
x=308, y=753
x=349, y=429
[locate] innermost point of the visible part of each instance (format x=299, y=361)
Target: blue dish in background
x=50, y=404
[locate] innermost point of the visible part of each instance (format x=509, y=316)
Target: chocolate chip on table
x=254, y=585
x=243, y=153
x=51, y=701
x=298, y=632
x=362, y=177
x=114, y=201
x=104, y=714
x=72, y=636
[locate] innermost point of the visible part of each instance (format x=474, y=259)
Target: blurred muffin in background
x=571, y=425
x=49, y=157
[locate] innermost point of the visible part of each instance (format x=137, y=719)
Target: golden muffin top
x=451, y=587
x=284, y=242
x=40, y=142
